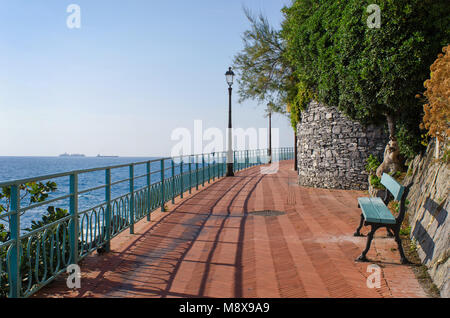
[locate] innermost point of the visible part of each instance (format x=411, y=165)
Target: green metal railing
x=30, y=260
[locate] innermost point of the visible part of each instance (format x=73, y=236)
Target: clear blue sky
x=134, y=72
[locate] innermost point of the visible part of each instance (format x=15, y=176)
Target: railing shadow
x=166, y=259
x=420, y=233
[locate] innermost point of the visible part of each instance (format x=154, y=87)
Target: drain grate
x=267, y=213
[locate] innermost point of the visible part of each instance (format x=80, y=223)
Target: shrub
x=35, y=192
x=372, y=165
x=372, y=75
x=376, y=182
x=437, y=112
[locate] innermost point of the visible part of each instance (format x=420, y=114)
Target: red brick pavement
x=209, y=246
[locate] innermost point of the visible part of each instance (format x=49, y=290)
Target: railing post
x=203, y=170
x=196, y=172
x=181, y=178
x=108, y=209
x=74, y=227
x=149, y=187
x=209, y=168
x=214, y=167
x=131, y=199
x=247, y=159
x=222, y=164
x=163, y=194
x=190, y=175
x=219, y=165
x=173, y=181
x=14, y=226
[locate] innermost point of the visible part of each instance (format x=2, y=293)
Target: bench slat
x=384, y=213
x=393, y=186
x=375, y=211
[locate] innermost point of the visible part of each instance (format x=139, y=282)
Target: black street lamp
x=269, y=114
x=230, y=77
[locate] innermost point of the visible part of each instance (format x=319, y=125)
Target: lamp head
x=229, y=76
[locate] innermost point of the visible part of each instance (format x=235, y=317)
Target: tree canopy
x=437, y=110
x=264, y=74
x=371, y=74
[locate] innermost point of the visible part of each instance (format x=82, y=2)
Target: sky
x=123, y=82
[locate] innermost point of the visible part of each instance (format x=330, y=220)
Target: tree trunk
x=391, y=126
x=295, y=151
x=391, y=160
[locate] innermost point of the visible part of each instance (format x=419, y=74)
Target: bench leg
x=389, y=232
x=403, y=258
x=362, y=257
x=358, y=233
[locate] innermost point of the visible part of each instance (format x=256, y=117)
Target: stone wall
x=427, y=214
x=332, y=150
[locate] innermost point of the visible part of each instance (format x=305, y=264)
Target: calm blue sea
x=12, y=168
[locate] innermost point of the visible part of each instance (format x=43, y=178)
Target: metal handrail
x=70, y=239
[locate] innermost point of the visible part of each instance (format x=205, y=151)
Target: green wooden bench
x=376, y=214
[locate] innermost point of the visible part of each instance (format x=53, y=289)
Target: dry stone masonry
x=332, y=149
x=427, y=214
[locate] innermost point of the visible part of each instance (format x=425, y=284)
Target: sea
x=14, y=168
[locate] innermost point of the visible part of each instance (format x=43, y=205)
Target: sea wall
x=332, y=149
x=428, y=215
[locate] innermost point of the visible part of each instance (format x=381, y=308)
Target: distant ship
x=77, y=155
x=100, y=156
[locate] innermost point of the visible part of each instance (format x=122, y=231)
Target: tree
x=264, y=73
x=437, y=111
x=371, y=74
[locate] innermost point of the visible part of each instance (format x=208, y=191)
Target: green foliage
x=395, y=206
x=425, y=139
x=265, y=75
x=410, y=141
x=299, y=102
x=396, y=175
x=413, y=246
x=406, y=231
x=372, y=165
x=446, y=157
x=376, y=182
x=4, y=234
x=370, y=74
x=53, y=214
x=34, y=192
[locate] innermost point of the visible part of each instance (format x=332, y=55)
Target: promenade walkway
x=209, y=245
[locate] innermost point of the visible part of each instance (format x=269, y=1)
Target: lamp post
x=269, y=115
x=230, y=77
